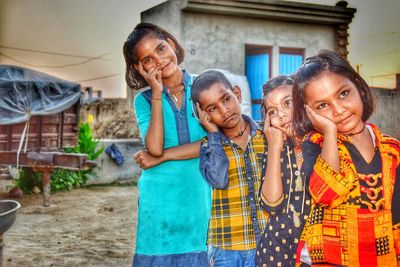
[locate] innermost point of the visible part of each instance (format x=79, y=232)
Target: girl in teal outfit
x=174, y=199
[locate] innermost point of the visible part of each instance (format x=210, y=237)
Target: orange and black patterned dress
x=355, y=215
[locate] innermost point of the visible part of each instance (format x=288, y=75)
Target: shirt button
x=254, y=219
x=249, y=178
x=297, y=173
x=251, y=199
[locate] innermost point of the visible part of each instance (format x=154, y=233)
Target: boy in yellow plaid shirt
x=232, y=159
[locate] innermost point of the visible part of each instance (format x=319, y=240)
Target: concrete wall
x=167, y=14
x=109, y=172
x=217, y=41
x=387, y=113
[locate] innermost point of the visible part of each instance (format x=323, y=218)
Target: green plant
x=62, y=179
x=27, y=180
x=86, y=143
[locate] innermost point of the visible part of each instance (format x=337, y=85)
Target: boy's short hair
x=207, y=79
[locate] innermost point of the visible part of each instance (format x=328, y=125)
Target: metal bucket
x=8, y=214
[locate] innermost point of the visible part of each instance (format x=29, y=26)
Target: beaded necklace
x=175, y=96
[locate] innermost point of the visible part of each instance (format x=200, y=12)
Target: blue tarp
x=25, y=93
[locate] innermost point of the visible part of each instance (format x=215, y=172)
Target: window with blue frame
x=290, y=59
x=258, y=71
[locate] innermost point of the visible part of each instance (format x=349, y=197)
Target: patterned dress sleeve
x=328, y=187
x=272, y=208
x=213, y=161
x=396, y=213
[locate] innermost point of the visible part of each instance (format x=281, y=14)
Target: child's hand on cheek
x=274, y=134
x=320, y=123
x=205, y=120
x=153, y=78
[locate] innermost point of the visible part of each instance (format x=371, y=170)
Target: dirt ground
x=83, y=227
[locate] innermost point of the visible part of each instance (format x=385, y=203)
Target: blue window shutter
x=289, y=63
x=257, y=73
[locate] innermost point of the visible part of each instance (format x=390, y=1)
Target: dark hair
x=132, y=76
x=325, y=61
x=207, y=79
x=276, y=82
x=272, y=84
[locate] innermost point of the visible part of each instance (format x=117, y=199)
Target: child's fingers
x=205, y=119
x=152, y=73
x=319, y=122
x=136, y=155
x=201, y=113
x=275, y=136
x=314, y=116
x=158, y=75
x=154, y=79
x=279, y=128
x=198, y=108
x=267, y=122
x=208, y=117
x=139, y=68
x=203, y=116
x=312, y=112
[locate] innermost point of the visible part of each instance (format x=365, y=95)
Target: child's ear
x=238, y=93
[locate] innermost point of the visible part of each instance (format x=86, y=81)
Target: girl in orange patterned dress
x=351, y=167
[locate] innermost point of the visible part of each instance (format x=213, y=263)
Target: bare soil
x=95, y=226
